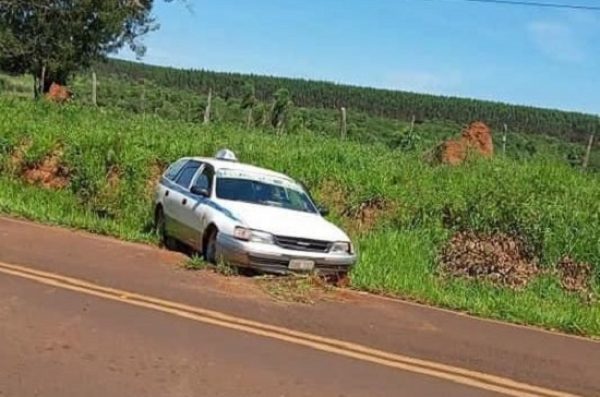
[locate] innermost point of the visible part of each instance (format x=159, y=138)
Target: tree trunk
x=50, y=77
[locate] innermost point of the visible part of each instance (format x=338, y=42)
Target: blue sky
x=533, y=56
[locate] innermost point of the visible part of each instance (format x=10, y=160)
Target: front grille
x=257, y=260
x=302, y=244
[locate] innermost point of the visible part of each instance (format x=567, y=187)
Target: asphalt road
x=85, y=315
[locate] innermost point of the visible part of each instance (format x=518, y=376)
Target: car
x=249, y=217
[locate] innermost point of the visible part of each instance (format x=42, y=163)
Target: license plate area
x=301, y=265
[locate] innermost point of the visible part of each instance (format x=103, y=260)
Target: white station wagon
x=248, y=217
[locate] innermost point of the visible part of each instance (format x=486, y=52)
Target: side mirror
x=198, y=191
x=324, y=211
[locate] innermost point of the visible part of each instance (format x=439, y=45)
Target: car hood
x=283, y=222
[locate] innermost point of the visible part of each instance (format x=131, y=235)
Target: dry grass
x=306, y=289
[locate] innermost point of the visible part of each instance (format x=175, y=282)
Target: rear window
x=174, y=169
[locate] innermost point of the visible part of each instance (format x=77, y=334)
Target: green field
x=111, y=158
x=181, y=95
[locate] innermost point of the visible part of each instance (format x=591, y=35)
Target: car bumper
x=274, y=259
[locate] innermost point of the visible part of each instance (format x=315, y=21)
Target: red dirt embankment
x=476, y=138
x=59, y=93
x=49, y=173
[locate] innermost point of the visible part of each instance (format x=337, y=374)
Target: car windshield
x=263, y=193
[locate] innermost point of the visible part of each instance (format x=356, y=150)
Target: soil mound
x=50, y=173
x=499, y=258
x=476, y=138
x=574, y=276
x=59, y=93
x=366, y=215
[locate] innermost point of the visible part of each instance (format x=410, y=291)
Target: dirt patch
x=106, y=203
x=476, y=138
x=498, y=258
x=296, y=289
x=16, y=160
x=333, y=196
x=50, y=173
x=356, y=218
x=113, y=177
x=156, y=171
x=574, y=276
x=59, y=93
x=365, y=216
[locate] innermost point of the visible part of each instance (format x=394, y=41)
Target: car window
x=174, y=169
x=262, y=193
x=187, y=173
x=204, y=180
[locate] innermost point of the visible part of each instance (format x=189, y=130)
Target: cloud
x=557, y=40
x=425, y=81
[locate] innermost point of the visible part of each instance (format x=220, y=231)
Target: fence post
x=207, y=109
x=586, y=159
x=143, y=99
x=94, y=101
x=343, y=124
x=412, y=124
x=504, y=140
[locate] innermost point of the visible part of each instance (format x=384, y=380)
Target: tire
x=210, y=248
x=161, y=229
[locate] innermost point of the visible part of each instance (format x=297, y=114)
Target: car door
x=198, y=211
x=179, y=200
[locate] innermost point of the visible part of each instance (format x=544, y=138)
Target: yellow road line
x=360, y=352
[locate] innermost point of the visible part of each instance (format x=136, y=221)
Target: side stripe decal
x=171, y=185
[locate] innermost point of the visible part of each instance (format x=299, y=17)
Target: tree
x=52, y=39
x=281, y=108
x=248, y=102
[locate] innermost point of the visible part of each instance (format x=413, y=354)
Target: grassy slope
x=554, y=206
x=188, y=105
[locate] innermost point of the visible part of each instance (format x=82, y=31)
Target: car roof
x=234, y=165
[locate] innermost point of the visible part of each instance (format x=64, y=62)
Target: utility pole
x=586, y=159
x=504, y=140
x=207, y=109
x=94, y=101
x=343, y=124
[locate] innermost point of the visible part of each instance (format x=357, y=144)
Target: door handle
x=184, y=201
x=166, y=193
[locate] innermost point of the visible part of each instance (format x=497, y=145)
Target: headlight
x=341, y=247
x=242, y=233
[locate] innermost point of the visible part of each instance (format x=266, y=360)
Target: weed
x=306, y=289
x=195, y=262
x=226, y=269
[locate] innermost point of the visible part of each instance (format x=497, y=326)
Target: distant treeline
x=377, y=102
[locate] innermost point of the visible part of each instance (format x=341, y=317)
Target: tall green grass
x=554, y=207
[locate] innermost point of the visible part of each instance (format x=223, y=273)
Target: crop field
x=423, y=231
